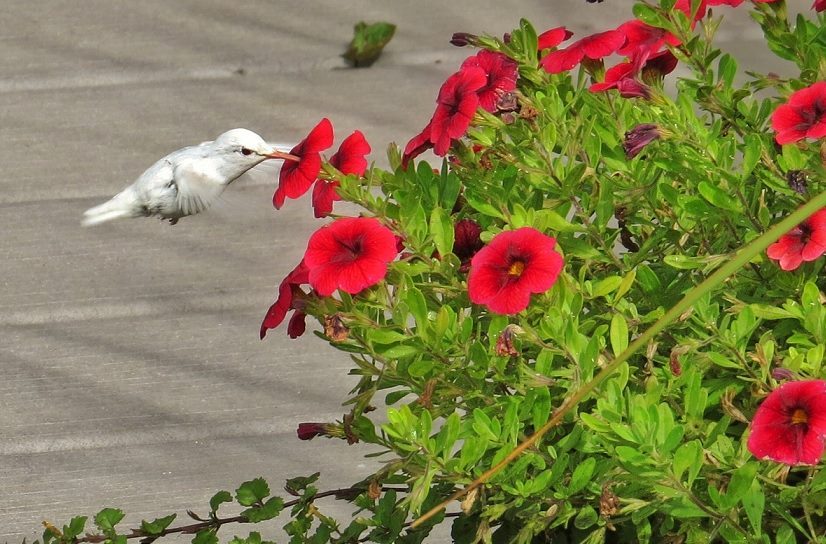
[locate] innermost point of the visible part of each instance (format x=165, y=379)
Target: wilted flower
x=504, y=342
x=797, y=181
x=790, y=425
x=806, y=242
x=335, y=329
x=780, y=374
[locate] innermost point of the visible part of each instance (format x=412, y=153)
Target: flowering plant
x=601, y=318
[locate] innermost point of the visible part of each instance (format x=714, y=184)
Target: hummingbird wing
x=197, y=189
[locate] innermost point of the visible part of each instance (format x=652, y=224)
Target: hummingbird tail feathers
x=120, y=206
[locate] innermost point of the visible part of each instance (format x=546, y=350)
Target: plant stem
x=740, y=259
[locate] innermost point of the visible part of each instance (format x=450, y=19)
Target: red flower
x=642, y=39
x=417, y=145
x=349, y=159
x=802, y=116
x=623, y=76
x=593, y=47
x=501, y=76
x=286, y=291
x=553, y=37
x=350, y=254
x=819, y=5
x=456, y=105
x=513, y=265
x=297, y=177
x=789, y=426
x=805, y=242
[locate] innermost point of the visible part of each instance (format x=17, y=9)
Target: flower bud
x=638, y=137
x=462, y=39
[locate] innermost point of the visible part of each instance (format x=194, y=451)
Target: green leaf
x=368, y=42
x=606, y=286
x=157, y=526
x=251, y=492
x=482, y=425
x=107, y=518
x=75, y=527
x=751, y=153
x=582, y=475
x=441, y=229
x=686, y=456
x=218, y=499
x=718, y=197
x=205, y=536
x=269, y=510
x=619, y=334
x=740, y=483
x=586, y=517
x=753, y=503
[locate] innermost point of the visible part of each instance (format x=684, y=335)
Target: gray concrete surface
x=132, y=374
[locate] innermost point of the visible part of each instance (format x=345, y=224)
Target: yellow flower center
x=800, y=417
x=516, y=268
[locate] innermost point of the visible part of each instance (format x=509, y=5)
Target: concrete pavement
x=132, y=373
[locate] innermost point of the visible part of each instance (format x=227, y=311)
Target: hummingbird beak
x=281, y=155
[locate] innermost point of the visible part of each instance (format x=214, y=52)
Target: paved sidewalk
x=132, y=373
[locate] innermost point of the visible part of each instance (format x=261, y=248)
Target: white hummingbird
x=188, y=180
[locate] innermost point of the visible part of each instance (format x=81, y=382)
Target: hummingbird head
x=249, y=147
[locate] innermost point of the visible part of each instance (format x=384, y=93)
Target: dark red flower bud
x=638, y=137
x=462, y=39
x=782, y=374
x=466, y=240
x=308, y=431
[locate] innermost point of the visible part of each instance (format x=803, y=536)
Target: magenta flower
x=350, y=254
x=513, y=265
x=296, y=178
x=802, y=116
x=789, y=426
x=349, y=159
x=806, y=242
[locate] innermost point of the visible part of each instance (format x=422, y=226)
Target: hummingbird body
x=188, y=180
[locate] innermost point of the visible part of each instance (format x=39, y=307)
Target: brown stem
x=344, y=493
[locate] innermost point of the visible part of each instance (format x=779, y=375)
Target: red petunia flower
x=285, y=302
x=456, y=105
x=350, y=254
x=819, y=5
x=790, y=425
x=805, y=242
x=553, y=37
x=595, y=46
x=513, y=265
x=501, y=75
x=349, y=159
x=624, y=77
x=642, y=40
x=417, y=145
x=802, y=116
x=296, y=178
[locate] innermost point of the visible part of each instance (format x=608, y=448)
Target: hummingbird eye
x=246, y=151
